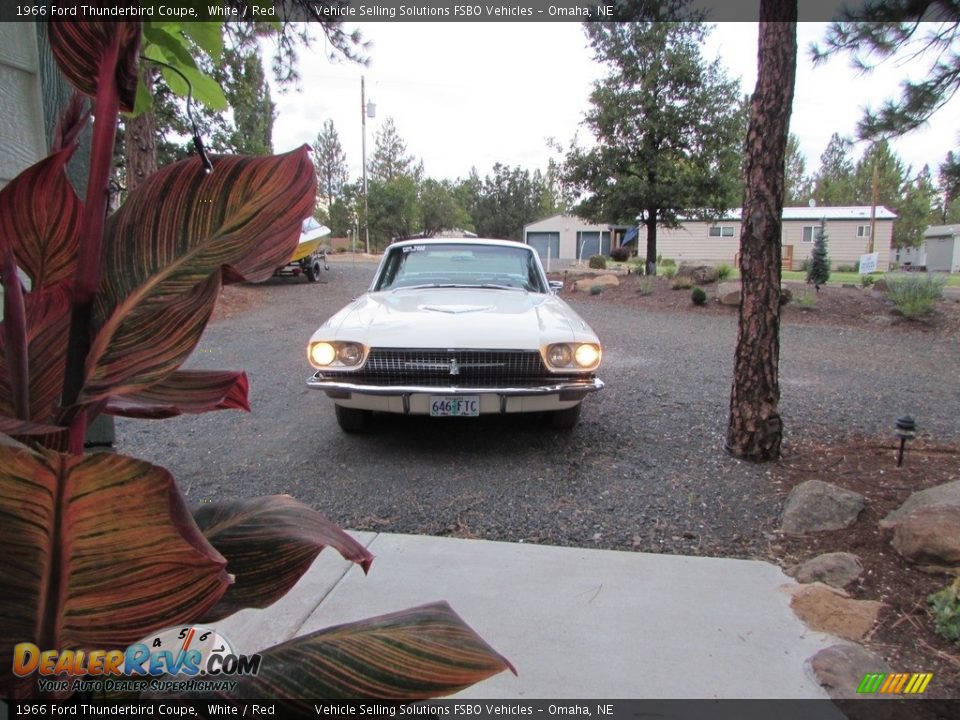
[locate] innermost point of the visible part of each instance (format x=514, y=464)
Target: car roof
x=460, y=241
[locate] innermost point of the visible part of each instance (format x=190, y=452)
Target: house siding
x=22, y=140
x=567, y=226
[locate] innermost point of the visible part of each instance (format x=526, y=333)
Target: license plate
x=462, y=406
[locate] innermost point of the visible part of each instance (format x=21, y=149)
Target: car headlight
x=326, y=354
x=573, y=356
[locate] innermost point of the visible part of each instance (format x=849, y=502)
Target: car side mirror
x=556, y=286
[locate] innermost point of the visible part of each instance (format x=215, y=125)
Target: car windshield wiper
x=427, y=285
x=493, y=286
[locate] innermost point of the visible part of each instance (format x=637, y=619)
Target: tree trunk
x=651, y=223
x=140, y=139
x=755, y=430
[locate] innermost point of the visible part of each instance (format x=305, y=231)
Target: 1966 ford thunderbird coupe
x=456, y=328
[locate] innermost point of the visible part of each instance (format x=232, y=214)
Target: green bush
x=945, y=608
x=598, y=262
x=867, y=280
x=667, y=262
x=645, y=287
x=683, y=282
x=667, y=271
x=914, y=295
x=724, y=271
x=807, y=300
x=596, y=289
x=698, y=296
x=620, y=254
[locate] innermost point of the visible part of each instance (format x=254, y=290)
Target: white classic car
x=456, y=328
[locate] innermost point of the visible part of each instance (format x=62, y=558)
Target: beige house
x=711, y=243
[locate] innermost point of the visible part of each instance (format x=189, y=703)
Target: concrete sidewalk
x=576, y=623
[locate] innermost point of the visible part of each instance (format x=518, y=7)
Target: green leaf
x=167, y=249
x=83, y=48
x=99, y=551
x=208, y=35
x=174, y=52
x=185, y=391
x=415, y=654
x=269, y=543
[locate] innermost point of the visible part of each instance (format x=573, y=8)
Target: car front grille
x=445, y=368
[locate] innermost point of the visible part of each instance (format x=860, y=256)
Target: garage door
x=541, y=241
x=592, y=243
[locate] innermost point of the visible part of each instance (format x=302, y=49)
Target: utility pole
x=363, y=116
x=875, y=192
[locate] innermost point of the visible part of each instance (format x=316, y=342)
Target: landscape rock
x=939, y=495
x=828, y=610
x=816, y=506
x=930, y=536
x=840, y=668
x=600, y=280
x=837, y=569
x=786, y=295
x=728, y=293
x=699, y=274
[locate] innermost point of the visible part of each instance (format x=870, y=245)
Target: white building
x=941, y=245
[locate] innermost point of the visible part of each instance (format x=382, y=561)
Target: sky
x=468, y=95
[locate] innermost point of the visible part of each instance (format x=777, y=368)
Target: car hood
x=457, y=318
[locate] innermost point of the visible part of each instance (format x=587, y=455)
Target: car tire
x=313, y=271
x=351, y=420
x=565, y=419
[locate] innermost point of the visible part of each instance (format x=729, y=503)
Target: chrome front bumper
x=567, y=390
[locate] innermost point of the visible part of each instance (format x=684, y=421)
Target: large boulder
x=816, y=506
x=930, y=537
x=841, y=668
x=699, y=274
x=939, y=495
x=728, y=293
x=836, y=569
x=829, y=610
x=599, y=281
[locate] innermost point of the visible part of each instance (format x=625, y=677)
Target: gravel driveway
x=643, y=470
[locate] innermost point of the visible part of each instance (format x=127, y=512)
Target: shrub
x=846, y=268
x=682, y=282
x=724, y=271
x=596, y=289
x=819, y=271
x=598, y=262
x=867, y=280
x=667, y=262
x=914, y=295
x=698, y=296
x=807, y=300
x=805, y=266
x=620, y=254
x=645, y=287
x=667, y=271
x=945, y=608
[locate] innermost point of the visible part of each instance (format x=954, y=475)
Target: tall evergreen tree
x=798, y=188
x=390, y=158
x=949, y=178
x=331, y=163
x=668, y=125
x=755, y=428
x=819, y=270
x=833, y=183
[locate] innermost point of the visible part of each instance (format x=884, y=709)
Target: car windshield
x=458, y=265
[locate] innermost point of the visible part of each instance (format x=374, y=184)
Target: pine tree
x=819, y=271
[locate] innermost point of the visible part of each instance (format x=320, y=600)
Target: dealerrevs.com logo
x=188, y=658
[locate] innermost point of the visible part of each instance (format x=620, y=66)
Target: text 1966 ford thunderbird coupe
x=456, y=328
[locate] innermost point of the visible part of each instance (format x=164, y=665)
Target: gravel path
x=644, y=469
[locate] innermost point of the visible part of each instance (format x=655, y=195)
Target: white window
x=720, y=231
x=808, y=233
x=863, y=231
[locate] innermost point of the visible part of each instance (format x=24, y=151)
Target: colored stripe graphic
x=894, y=683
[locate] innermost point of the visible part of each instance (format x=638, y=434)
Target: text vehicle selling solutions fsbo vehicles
x=456, y=328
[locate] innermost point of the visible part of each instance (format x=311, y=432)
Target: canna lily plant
x=101, y=550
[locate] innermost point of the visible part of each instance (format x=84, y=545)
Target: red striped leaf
x=99, y=551
x=269, y=542
x=175, y=232
x=81, y=50
x=185, y=391
x=40, y=219
x=420, y=653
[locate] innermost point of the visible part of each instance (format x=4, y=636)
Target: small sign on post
x=869, y=263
